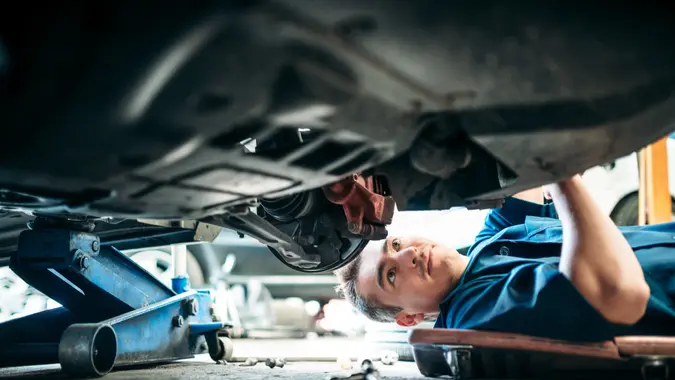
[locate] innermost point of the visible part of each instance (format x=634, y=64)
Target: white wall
x=456, y=227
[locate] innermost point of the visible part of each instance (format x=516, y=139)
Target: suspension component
x=286, y=209
x=366, y=204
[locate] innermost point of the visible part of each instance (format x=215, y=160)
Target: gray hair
x=347, y=277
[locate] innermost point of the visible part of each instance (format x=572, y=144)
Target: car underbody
x=300, y=122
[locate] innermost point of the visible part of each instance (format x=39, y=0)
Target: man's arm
x=596, y=258
x=532, y=299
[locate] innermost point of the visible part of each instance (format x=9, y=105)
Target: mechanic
x=524, y=275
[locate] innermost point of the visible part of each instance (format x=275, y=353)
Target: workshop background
x=298, y=314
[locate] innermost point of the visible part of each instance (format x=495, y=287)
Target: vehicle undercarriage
x=301, y=122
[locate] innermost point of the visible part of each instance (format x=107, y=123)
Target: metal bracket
x=655, y=369
x=203, y=231
x=459, y=361
x=114, y=313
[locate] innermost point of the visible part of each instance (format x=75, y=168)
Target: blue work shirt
x=512, y=282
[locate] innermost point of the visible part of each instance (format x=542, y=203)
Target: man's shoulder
x=485, y=278
x=470, y=287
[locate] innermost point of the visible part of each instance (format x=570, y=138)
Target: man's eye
x=396, y=244
x=391, y=276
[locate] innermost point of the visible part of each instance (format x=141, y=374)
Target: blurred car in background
x=245, y=259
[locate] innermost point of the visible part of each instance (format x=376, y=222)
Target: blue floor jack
x=114, y=313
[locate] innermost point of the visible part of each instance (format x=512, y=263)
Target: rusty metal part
x=367, y=209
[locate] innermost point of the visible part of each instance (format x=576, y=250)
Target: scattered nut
x=250, y=362
x=365, y=362
x=389, y=358
x=275, y=362
x=345, y=362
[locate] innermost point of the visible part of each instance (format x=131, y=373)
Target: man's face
x=411, y=273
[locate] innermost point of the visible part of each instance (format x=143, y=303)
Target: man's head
x=401, y=279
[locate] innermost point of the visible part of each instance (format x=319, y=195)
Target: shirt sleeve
x=534, y=299
x=513, y=212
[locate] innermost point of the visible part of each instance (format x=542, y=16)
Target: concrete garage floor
x=203, y=367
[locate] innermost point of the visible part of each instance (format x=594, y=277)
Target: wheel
x=431, y=363
x=626, y=211
x=88, y=350
x=159, y=263
x=225, y=349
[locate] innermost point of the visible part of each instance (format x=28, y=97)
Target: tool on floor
x=114, y=313
x=275, y=362
x=367, y=372
x=315, y=359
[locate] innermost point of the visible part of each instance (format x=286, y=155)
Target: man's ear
x=409, y=320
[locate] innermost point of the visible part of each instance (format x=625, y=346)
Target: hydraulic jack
x=113, y=312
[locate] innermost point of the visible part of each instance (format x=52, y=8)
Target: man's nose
x=408, y=258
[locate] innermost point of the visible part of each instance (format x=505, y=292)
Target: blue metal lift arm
x=114, y=312
x=90, y=280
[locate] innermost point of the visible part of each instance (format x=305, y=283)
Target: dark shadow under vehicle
x=300, y=122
